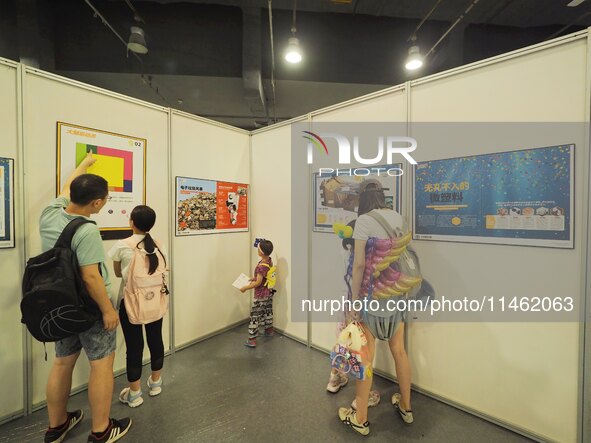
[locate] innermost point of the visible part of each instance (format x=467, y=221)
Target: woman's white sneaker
x=130, y=399
x=155, y=387
x=406, y=416
x=336, y=382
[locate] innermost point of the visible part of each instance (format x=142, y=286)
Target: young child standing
x=141, y=221
x=261, y=313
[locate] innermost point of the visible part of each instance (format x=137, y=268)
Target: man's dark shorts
x=96, y=342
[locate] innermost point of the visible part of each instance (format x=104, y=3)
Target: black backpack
x=55, y=302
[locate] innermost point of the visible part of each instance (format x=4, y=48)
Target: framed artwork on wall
x=121, y=160
x=210, y=207
x=523, y=197
x=7, y=205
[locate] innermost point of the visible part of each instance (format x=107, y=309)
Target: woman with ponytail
x=141, y=221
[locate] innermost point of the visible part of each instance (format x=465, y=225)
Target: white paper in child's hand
x=241, y=281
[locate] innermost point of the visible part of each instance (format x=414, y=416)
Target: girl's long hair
x=143, y=218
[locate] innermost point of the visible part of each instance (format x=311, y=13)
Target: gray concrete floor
x=221, y=391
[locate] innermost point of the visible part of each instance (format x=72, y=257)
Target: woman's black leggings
x=134, y=340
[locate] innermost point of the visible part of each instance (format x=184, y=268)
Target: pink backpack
x=145, y=295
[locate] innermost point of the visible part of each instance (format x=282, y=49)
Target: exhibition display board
x=50, y=99
x=206, y=265
x=517, y=189
x=210, y=207
x=518, y=364
x=515, y=198
x=12, y=258
x=120, y=159
x=6, y=202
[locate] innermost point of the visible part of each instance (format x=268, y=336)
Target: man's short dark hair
x=88, y=187
x=266, y=247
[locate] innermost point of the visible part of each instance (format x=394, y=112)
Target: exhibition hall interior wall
x=200, y=265
x=517, y=374
x=205, y=265
x=11, y=260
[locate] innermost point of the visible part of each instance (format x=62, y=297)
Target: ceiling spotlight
x=137, y=41
x=293, y=53
x=414, y=60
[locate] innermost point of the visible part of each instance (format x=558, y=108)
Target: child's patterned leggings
x=261, y=314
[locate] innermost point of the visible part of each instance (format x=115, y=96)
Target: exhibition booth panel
x=85, y=112
x=12, y=363
x=210, y=175
x=531, y=106
x=520, y=372
x=273, y=219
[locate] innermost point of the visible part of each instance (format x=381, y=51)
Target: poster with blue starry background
x=519, y=198
x=7, y=205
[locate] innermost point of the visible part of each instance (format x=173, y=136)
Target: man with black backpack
x=82, y=195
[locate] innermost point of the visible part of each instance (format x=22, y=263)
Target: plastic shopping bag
x=350, y=354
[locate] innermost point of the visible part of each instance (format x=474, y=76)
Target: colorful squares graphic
x=114, y=165
x=81, y=150
x=110, y=168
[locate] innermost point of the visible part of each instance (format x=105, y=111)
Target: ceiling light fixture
x=137, y=41
x=137, y=38
x=575, y=3
x=293, y=54
x=414, y=60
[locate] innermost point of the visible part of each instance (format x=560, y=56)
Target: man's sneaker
x=269, y=332
x=336, y=382
x=405, y=415
x=251, y=343
x=116, y=430
x=155, y=387
x=131, y=400
x=349, y=417
x=57, y=435
x=374, y=400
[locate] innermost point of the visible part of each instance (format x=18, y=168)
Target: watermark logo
x=314, y=140
x=390, y=145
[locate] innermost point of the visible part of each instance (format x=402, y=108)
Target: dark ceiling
x=213, y=57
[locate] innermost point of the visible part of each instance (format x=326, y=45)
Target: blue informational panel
x=6, y=203
x=518, y=198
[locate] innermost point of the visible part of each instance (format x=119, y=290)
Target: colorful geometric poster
x=519, y=198
x=120, y=159
x=336, y=195
x=209, y=206
x=6, y=203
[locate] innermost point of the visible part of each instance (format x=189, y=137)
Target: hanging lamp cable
x=293, y=23
x=272, y=60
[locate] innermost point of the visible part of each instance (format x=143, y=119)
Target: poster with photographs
x=518, y=198
x=7, y=206
x=120, y=159
x=336, y=194
x=210, y=207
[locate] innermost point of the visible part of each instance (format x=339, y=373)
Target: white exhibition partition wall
x=272, y=217
x=11, y=260
x=206, y=265
x=518, y=373
x=47, y=100
x=525, y=376
x=327, y=281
